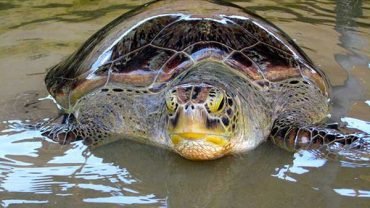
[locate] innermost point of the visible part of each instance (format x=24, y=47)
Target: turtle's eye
x=171, y=103
x=216, y=101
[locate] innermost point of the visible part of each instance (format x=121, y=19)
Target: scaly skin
x=205, y=121
x=211, y=120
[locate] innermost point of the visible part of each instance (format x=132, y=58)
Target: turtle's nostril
x=189, y=106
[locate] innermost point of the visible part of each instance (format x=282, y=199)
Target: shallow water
x=35, y=35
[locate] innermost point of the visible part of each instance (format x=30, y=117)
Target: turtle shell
x=150, y=46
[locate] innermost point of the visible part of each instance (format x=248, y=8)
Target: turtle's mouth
x=218, y=140
x=200, y=146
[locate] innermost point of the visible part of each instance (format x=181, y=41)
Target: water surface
x=35, y=35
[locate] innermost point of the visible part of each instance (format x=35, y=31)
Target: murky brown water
x=35, y=35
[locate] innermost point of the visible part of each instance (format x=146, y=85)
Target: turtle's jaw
x=195, y=135
x=200, y=146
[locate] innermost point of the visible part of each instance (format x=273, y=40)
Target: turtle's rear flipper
x=296, y=136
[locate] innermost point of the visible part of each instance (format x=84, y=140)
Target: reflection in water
x=9, y=202
x=347, y=13
x=131, y=173
x=352, y=192
x=35, y=172
x=357, y=124
x=150, y=199
x=345, y=24
x=303, y=160
x=28, y=167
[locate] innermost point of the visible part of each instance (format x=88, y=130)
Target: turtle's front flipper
x=93, y=122
x=65, y=132
x=291, y=134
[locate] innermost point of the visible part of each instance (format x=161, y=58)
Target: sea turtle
x=202, y=78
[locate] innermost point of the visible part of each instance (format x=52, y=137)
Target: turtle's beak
x=195, y=136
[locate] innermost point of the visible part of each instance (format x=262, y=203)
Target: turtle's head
x=202, y=121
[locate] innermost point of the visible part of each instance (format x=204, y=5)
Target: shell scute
x=176, y=65
x=229, y=34
x=148, y=58
x=263, y=33
x=243, y=64
x=137, y=78
x=272, y=62
x=142, y=35
x=204, y=50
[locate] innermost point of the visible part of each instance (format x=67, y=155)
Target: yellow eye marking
x=171, y=103
x=215, y=101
